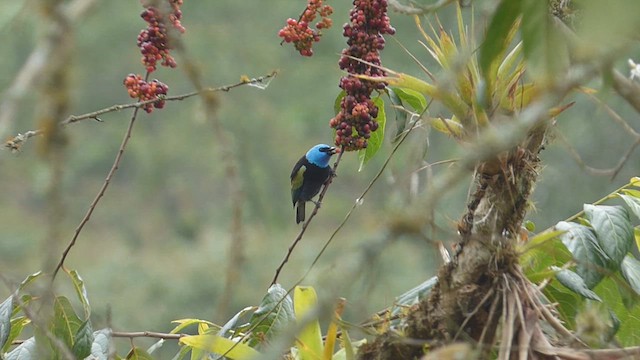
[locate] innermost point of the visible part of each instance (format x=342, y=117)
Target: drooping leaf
x=630, y=269
x=590, y=257
x=273, y=314
x=575, y=283
x=494, y=42
x=5, y=320
x=81, y=291
x=545, y=52
x=25, y=351
x=83, y=340
x=613, y=230
x=305, y=301
x=375, y=141
x=29, y=279
x=101, y=345
x=219, y=345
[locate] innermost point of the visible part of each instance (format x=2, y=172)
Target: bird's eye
x=325, y=149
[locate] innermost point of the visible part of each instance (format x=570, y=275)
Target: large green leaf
x=375, y=141
x=83, y=340
x=25, y=351
x=494, y=42
x=575, y=283
x=613, y=230
x=590, y=257
x=65, y=323
x=5, y=320
x=273, y=314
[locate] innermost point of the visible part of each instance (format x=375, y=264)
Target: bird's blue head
x=320, y=154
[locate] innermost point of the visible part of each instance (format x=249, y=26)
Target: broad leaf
x=83, y=340
x=273, y=314
x=5, y=320
x=25, y=351
x=65, y=323
x=627, y=334
x=630, y=269
x=219, y=345
x=234, y=320
x=29, y=279
x=590, y=257
x=613, y=230
x=375, y=141
x=575, y=283
x=305, y=302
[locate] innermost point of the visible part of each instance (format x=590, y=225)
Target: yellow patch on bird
x=296, y=182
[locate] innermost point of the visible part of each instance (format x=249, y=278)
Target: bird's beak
x=334, y=150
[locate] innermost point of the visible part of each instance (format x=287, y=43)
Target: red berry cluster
x=154, y=40
x=356, y=119
x=300, y=34
x=138, y=88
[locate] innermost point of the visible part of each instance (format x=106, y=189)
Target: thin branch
x=101, y=192
x=306, y=223
x=627, y=89
x=17, y=141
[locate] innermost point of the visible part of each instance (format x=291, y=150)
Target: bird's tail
x=300, y=212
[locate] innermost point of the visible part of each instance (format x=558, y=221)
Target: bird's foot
x=316, y=203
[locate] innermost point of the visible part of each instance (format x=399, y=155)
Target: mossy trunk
x=465, y=304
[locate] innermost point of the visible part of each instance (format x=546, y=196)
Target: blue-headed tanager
x=308, y=176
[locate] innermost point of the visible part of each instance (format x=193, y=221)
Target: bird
x=308, y=176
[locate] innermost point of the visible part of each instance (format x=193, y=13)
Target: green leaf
x=566, y=299
x=613, y=231
x=81, y=291
x=234, y=320
x=305, y=300
x=5, y=320
x=575, y=283
x=25, y=351
x=29, y=279
x=590, y=257
x=184, y=323
x=630, y=269
x=494, y=42
x=138, y=354
x=375, y=141
x=83, y=340
x=545, y=52
x=633, y=203
x=17, y=325
x=101, y=345
x=273, y=314
x=219, y=345
x=415, y=99
x=65, y=323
